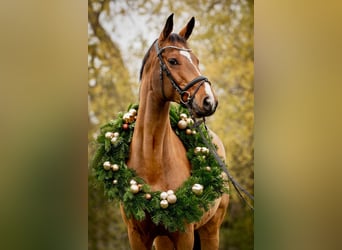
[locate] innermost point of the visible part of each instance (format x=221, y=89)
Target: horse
x=170, y=73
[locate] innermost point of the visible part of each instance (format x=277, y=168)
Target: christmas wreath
x=171, y=208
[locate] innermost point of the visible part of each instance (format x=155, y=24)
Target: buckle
x=185, y=97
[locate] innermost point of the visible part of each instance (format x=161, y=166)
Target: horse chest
x=162, y=172
x=160, y=160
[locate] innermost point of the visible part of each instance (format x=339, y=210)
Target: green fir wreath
x=172, y=209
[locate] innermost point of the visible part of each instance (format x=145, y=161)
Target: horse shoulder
x=218, y=142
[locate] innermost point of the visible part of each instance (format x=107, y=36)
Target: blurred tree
x=110, y=91
x=223, y=41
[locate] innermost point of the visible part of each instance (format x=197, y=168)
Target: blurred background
x=119, y=34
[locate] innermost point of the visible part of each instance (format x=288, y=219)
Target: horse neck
x=152, y=127
x=155, y=147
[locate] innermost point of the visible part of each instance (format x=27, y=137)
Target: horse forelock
x=173, y=38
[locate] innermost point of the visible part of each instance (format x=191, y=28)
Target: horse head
x=180, y=77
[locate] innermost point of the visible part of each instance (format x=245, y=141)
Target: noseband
x=185, y=96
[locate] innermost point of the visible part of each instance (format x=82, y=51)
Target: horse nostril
x=207, y=105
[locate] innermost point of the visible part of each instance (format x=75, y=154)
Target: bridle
x=185, y=96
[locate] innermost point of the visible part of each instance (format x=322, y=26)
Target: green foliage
x=189, y=206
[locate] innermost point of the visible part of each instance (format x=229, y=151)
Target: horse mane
x=172, y=38
x=145, y=59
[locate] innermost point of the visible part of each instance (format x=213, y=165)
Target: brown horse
x=170, y=73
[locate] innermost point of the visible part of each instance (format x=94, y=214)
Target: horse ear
x=167, y=28
x=187, y=30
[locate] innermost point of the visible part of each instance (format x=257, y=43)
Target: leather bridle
x=185, y=97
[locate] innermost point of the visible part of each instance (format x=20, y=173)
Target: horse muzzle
x=206, y=107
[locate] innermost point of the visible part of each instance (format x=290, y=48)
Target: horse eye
x=173, y=61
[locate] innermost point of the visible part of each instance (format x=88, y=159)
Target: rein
x=185, y=96
x=212, y=150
